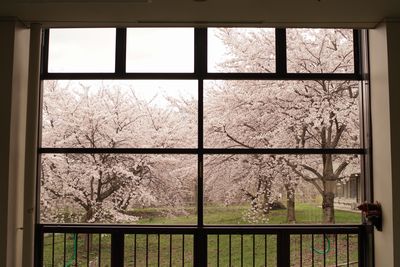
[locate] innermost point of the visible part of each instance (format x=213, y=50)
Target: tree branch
x=235, y=140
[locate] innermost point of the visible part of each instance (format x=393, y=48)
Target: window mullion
x=120, y=51
x=200, y=62
x=200, y=69
x=44, y=69
x=357, y=52
x=200, y=52
x=280, y=46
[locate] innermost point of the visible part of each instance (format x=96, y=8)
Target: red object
x=373, y=213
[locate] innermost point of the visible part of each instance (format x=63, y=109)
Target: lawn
x=175, y=249
x=213, y=214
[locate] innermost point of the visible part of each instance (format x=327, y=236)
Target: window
x=79, y=50
x=200, y=127
x=160, y=50
x=271, y=142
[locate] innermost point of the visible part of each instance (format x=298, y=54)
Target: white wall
x=385, y=109
x=14, y=52
x=393, y=36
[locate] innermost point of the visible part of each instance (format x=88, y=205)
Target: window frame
x=201, y=74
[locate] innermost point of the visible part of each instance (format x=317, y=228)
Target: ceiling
x=300, y=13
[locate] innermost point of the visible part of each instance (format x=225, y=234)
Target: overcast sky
x=148, y=50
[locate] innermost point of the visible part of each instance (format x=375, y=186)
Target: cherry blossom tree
x=243, y=114
x=237, y=179
x=290, y=114
x=105, y=187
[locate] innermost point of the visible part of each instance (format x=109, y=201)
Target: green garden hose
x=71, y=261
x=327, y=247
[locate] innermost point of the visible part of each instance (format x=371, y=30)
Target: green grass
x=213, y=214
x=183, y=249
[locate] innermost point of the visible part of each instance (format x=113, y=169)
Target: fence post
x=365, y=245
x=200, y=249
x=39, y=240
x=283, y=249
x=117, y=249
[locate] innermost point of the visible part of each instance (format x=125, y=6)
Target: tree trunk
x=329, y=189
x=88, y=238
x=89, y=214
x=266, y=205
x=328, y=202
x=290, y=204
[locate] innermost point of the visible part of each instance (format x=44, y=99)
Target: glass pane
x=241, y=50
x=82, y=50
x=139, y=113
x=160, y=50
x=320, y=51
x=279, y=189
x=118, y=188
x=281, y=114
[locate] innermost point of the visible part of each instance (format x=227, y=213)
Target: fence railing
x=143, y=246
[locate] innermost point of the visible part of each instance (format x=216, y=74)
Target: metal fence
x=137, y=246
